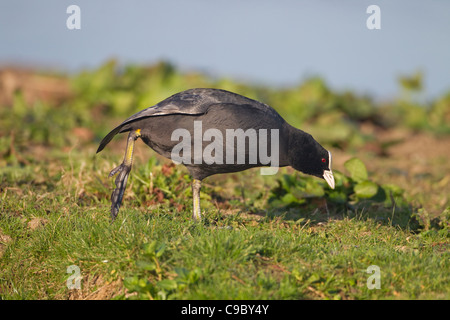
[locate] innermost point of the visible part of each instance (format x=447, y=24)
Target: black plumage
x=265, y=135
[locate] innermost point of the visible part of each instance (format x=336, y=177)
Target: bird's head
x=308, y=156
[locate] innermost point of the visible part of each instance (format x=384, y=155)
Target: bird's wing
x=187, y=102
x=196, y=101
x=191, y=102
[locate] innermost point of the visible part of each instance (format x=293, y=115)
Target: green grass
x=158, y=252
x=270, y=259
x=286, y=236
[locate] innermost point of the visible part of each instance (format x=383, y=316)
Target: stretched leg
x=123, y=170
x=196, y=213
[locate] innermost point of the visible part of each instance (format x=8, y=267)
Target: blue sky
x=270, y=42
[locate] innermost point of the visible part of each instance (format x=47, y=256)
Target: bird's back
x=191, y=102
x=198, y=101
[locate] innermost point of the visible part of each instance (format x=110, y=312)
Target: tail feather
x=108, y=138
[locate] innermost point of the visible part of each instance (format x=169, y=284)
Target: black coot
x=214, y=131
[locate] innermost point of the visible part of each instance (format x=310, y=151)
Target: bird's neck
x=299, y=141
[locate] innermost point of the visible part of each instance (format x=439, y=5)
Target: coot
x=213, y=131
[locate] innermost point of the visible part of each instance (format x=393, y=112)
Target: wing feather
x=192, y=102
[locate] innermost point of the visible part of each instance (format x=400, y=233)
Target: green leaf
x=393, y=189
x=181, y=272
x=194, y=275
x=160, y=250
x=150, y=248
x=146, y=265
x=135, y=284
x=288, y=198
x=357, y=169
x=287, y=182
x=167, y=284
x=337, y=196
x=131, y=283
x=313, y=278
x=366, y=189
x=314, y=188
x=340, y=179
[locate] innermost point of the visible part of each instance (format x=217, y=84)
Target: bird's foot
x=122, y=167
x=121, y=183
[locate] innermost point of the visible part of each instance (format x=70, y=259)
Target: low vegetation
x=286, y=236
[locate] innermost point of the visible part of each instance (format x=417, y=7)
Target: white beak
x=328, y=174
x=329, y=178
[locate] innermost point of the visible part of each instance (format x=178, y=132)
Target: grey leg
x=196, y=213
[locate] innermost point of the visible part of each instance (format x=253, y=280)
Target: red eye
x=324, y=160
